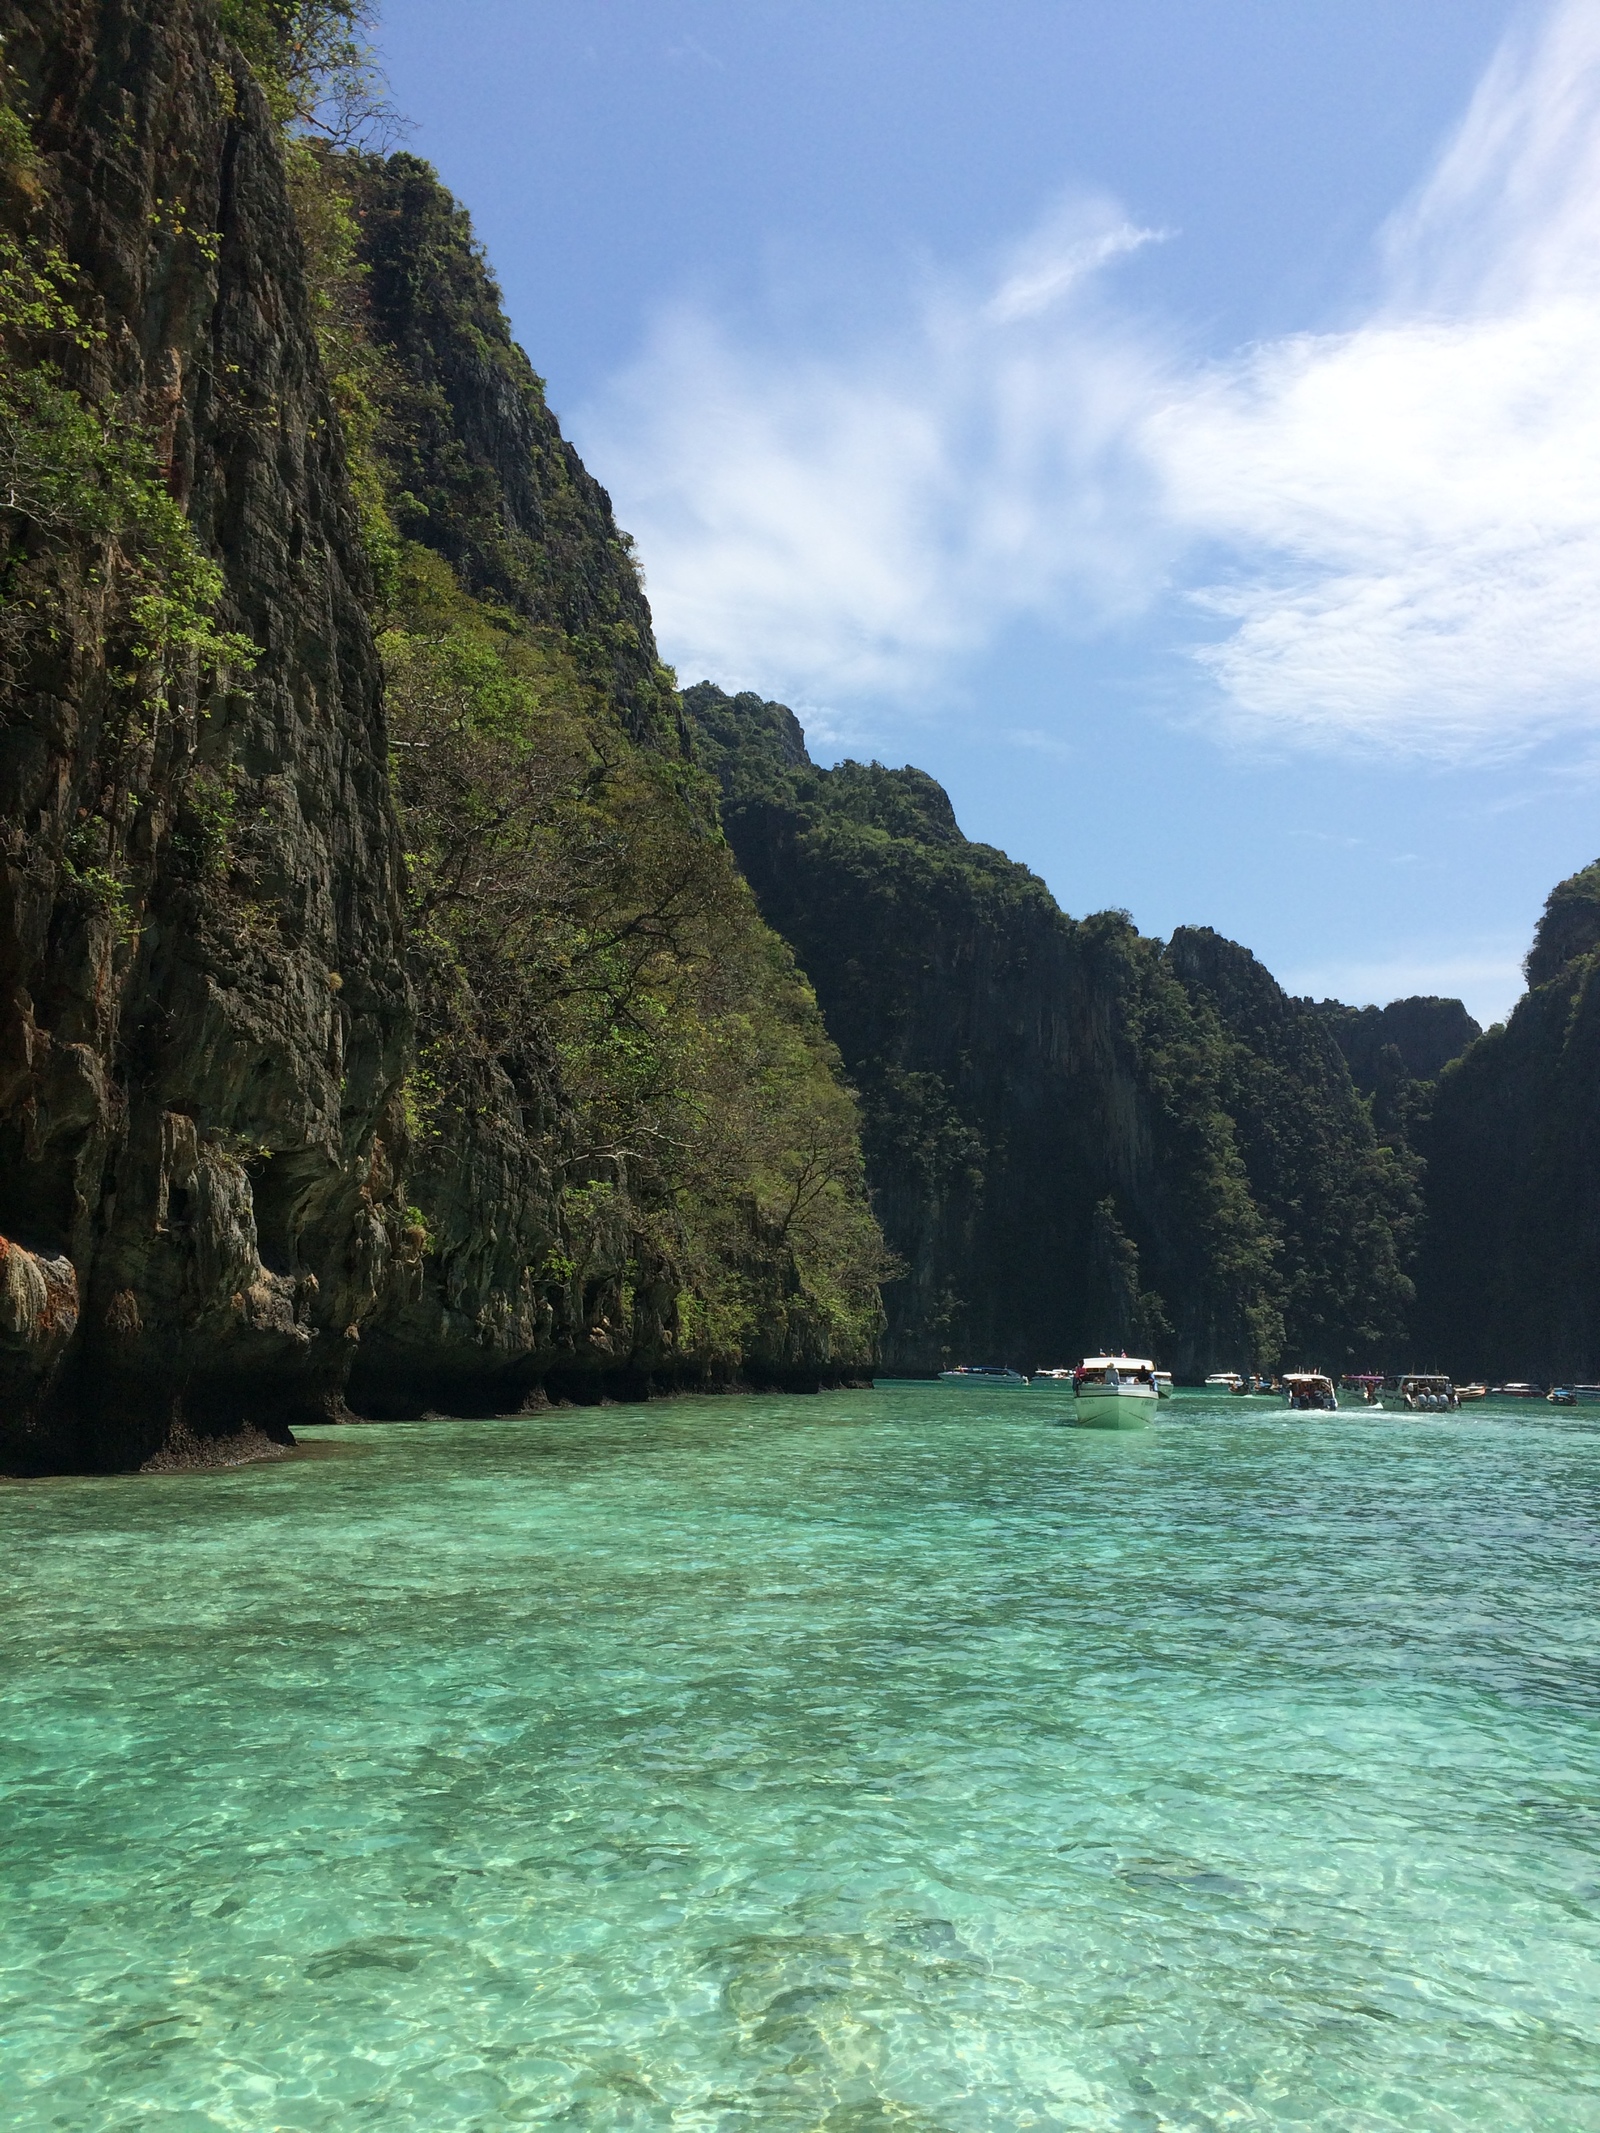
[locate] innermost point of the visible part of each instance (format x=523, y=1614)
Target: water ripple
x=880, y=1761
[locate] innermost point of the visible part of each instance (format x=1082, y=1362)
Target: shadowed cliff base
x=461, y=1398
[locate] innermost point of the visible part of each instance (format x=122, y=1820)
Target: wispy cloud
x=1414, y=506
x=1389, y=536
x=1079, y=239
x=1038, y=742
x=832, y=525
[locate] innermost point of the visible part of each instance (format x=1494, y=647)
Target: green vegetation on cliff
x=619, y=1075
x=1395, y=1054
x=204, y=1013
x=430, y=1074
x=1343, y=1203
x=81, y=475
x=1510, y=1274
x=1074, y=1135
x=597, y=993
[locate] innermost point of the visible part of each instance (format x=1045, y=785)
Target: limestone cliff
x=478, y=467
x=291, y=1111
x=1048, y=1150
x=1074, y=1135
x=1343, y=1200
x=633, y=1162
x=1422, y=1034
x=203, y=1008
x=1510, y=1275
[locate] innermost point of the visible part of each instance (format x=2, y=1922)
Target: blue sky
x=1174, y=427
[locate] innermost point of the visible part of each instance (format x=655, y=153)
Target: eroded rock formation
x=1075, y=1136
x=269, y=1138
x=203, y=1008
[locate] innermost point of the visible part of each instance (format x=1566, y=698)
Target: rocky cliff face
x=203, y=1008
x=625, y=1087
x=1420, y=1035
x=1510, y=1276
x=479, y=470
x=1045, y=1138
x=1074, y=1136
x=1344, y=1203
x=288, y=1115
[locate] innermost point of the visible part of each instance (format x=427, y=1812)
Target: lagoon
x=892, y=1759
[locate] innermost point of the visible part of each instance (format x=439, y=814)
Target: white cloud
x=1079, y=239
x=1414, y=506
x=1038, y=742
x=1393, y=532
x=833, y=526
x=1416, y=510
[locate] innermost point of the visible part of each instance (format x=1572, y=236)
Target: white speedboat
x=1115, y=1392
x=1310, y=1391
x=981, y=1375
x=1426, y=1393
x=1163, y=1384
x=1225, y=1381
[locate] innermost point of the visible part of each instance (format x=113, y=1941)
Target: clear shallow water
x=885, y=1760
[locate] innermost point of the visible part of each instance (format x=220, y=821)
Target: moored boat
x=981, y=1375
x=1225, y=1381
x=1472, y=1392
x=1163, y=1384
x=1517, y=1391
x=1562, y=1396
x=1115, y=1392
x=1425, y=1392
x=1310, y=1392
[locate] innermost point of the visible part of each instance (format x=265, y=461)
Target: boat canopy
x=1307, y=1377
x=1119, y=1362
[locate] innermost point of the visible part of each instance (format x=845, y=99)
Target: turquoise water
x=884, y=1760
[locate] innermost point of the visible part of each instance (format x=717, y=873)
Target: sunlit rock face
x=223, y=1212
x=203, y=1006
x=546, y=1260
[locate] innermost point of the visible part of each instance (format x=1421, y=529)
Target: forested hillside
x=1510, y=1277
x=1074, y=1134
x=621, y=1081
